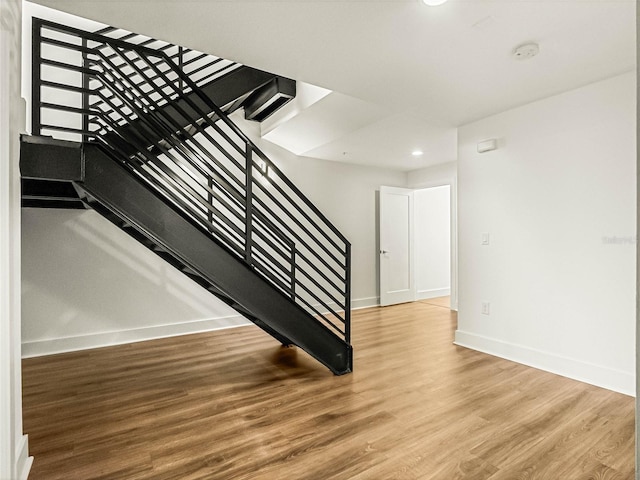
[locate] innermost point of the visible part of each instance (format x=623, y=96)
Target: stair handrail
x=328, y=285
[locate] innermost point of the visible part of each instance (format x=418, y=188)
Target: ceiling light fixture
x=433, y=3
x=417, y=153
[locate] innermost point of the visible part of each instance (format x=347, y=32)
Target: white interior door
x=396, y=246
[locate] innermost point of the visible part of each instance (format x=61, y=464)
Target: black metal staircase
x=144, y=142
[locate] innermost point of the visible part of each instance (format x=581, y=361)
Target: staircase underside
x=259, y=93
x=64, y=174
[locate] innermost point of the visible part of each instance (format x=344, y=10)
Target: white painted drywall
x=14, y=460
x=432, y=230
x=558, y=198
x=440, y=175
x=86, y=283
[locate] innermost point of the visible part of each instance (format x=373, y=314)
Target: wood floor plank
x=235, y=405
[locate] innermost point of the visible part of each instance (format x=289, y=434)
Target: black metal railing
x=142, y=100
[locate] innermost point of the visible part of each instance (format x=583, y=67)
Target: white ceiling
x=416, y=72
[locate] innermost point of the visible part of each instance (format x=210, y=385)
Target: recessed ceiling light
x=417, y=153
x=433, y=3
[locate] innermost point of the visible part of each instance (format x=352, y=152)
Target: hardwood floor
x=438, y=301
x=234, y=405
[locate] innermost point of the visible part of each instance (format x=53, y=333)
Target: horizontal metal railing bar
x=212, y=230
x=58, y=128
x=106, y=29
x=206, y=204
x=306, y=260
x=227, y=239
x=204, y=169
x=68, y=108
x=301, y=196
x=66, y=66
x=62, y=86
x=302, y=242
x=194, y=59
x=285, y=270
x=276, y=248
x=214, y=194
x=104, y=109
x=199, y=200
x=154, y=77
x=175, y=178
x=66, y=45
x=273, y=230
x=210, y=76
x=274, y=280
x=70, y=46
x=323, y=289
x=127, y=101
x=315, y=295
x=289, y=214
x=47, y=24
x=195, y=214
x=209, y=138
x=320, y=315
x=205, y=66
x=277, y=272
x=308, y=218
x=146, y=69
x=130, y=35
x=203, y=115
x=198, y=170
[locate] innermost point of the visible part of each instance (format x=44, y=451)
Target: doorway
x=417, y=241
x=432, y=240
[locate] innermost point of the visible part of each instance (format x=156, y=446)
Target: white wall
x=14, y=460
x=432, y=242
x=440, y=175
x=436, y=175
x=558, y=199
x=86, y=283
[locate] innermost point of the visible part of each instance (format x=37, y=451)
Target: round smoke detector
x=527, y=50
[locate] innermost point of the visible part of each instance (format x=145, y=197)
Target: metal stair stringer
x=142, y=213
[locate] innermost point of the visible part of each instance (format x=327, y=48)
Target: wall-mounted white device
x=487, y=145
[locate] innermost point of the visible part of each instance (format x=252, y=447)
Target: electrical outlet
x=485, y=308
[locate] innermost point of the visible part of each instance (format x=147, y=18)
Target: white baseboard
x=358, y=303
x=436, y=292
x=23, y=460
x=104, y=339
x=52, y=346
x=611, y=379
